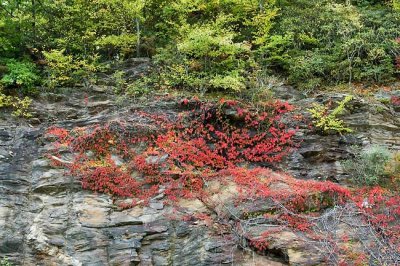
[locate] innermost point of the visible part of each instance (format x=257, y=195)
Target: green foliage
x=60, y=25
x=60, y=68
x=6, y=43
x=120, y=81
x=65, y=70
x=214, y=55
x=5, y=262
x=251, y=19
x=140, y=87
x=327, y=120
x=261, y=87
x=207, y=57
x=230, y=82
x=209, y=45
x=392, y=168
x=123, y=44
x=273, y=53
x=369, y=166
x=396, y=5
x=352, y=43
x=136, y=88
x=20, y=107
x=20, y=74
x=212, y=58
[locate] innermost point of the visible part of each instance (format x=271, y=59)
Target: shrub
x=327, y=120
x=369, y=166
x=354, y=44
x=5, y=262
x=136, y=88
x=211, y=43
x=139, y=87
x=206, y=57
x=392, y=168
x=120, y=81
x=230, y=82
x=308, y=71
x=261, y=87
x=65, y=70
x=19, y=106
x=123, y=44
x=60, y=68
x=20, y=74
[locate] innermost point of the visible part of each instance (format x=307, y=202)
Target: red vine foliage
x=395, y=100
x=205, y=139
x=225, y=141
x=397, y=40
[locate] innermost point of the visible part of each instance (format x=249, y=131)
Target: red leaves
x=296, y=222
x=381, y=208
x=204, y=140
x=61, y=134
x=185, y=101
x=395, y=100
x=294, y=194
x=207, y=142
x=259, y=244
x=110, y=180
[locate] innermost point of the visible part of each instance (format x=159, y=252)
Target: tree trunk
x=34, y=22
x=138, y=37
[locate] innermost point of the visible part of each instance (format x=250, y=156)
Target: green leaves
x=212, y=49
x=65, y=70
x=213, y=44
x=368, y=166
x=20, y=74
x=396, y=5
x=211, y=57
x=230, y=82
x=327, y=120
x=333, y=43
x=19, y=106
x=123, y=44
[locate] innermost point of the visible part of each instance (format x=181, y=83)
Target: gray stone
x=157, y=205
x=59, y=242
x=99, y=88
x=47, y=219
x=156, y=159
x=117, y=160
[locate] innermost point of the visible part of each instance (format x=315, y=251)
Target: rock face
x=319, y=156
x=47, y=219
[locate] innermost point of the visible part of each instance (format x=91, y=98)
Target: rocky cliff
x=47, y=219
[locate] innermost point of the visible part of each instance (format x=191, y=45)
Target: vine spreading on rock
x=318, y=210
x=395, y=100
x=180, y=155
x=209, y=138
x=185, y=152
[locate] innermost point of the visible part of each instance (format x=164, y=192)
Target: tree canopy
x=207, y=45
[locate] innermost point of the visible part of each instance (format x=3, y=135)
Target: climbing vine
x=186, y=151
x=180, y=155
